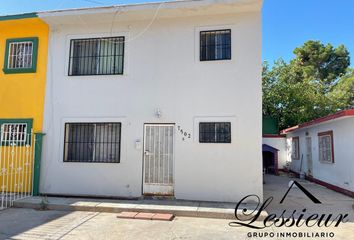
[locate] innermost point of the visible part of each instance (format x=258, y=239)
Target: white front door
x=158, y=159
x=309, y=156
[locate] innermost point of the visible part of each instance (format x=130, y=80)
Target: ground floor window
x=15, y=131
x=215, y=132
x=92, y=142
x=325, y=147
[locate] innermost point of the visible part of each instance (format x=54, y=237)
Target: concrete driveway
x=34, y=224
x=331, y=201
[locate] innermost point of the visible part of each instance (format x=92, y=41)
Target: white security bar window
x=215, y=45
x=325, y=147
x=295, y=147
x=92, y=142
x=20, y=55
x=13, y=133
x=96, y=56
x=215, y=132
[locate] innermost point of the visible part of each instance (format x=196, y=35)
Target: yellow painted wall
x=17, y=169
x=22, y=94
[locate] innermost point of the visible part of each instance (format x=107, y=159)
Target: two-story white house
x=154, y=99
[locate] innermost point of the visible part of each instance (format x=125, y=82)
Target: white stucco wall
x=280, y=144
x=162, y=70
x=341, y=172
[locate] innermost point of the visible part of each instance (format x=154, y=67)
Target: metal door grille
x=16, y=165
x=158, y=152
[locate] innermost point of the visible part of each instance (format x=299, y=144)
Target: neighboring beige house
x=322, y=149
x=154, y=99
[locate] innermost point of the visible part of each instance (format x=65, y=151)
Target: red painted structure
x=340, y=114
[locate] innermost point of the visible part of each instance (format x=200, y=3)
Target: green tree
x=301, y=90
x=343, y=91
x=322, y=63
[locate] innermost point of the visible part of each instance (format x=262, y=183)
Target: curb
x=200, y=212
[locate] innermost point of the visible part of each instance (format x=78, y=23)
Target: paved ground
x=331, y=201
x=32, y=224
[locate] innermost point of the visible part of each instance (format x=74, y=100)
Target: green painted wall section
x=18, y=16
x=270, y=125
x=37, y=162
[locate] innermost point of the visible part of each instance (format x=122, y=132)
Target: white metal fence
x=17, y=147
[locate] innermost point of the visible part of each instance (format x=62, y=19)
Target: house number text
x=183, y=133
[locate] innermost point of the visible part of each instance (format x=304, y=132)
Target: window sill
x=19, y=71
x=96, y=75
x=74, y=161
x=215, y=60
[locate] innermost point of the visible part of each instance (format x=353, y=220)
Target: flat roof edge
x=141, y=6
x=337, y=115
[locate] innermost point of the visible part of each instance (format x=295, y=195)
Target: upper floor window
x=21, y=55
x=295, y=142
x=215, y=132
x=96, y=56
x=215, y=45
x=325, y=147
